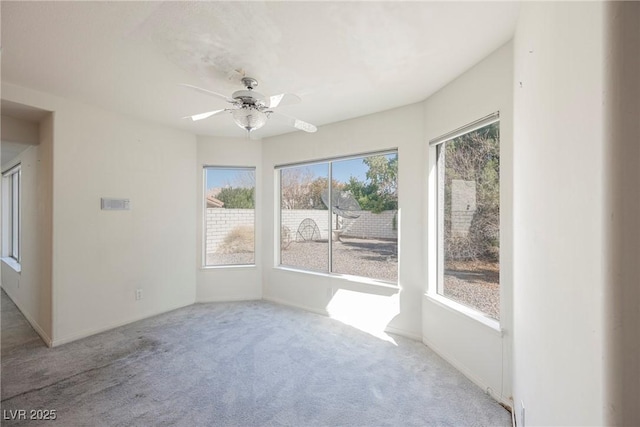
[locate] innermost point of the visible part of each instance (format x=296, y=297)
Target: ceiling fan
x=251, y=109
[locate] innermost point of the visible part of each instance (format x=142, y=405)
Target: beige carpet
x=242, y=364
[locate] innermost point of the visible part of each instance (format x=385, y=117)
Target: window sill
x=218, y=267
x=12, y=263
x=466, y=311
x=346, y=277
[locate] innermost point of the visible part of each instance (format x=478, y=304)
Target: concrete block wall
x=463, y=206
x=371, y=225
x=461, y=222
x=220, y=221
x=292, y=218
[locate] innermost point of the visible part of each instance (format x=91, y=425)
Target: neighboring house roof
x=212, y=202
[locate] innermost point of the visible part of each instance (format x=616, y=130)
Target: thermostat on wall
x=114, y=204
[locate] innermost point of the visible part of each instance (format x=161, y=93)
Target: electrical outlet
x=138, y=294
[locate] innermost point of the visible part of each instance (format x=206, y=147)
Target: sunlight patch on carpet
x=367, y=312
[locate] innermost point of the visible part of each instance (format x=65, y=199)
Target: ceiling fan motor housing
x=249, y=97
x=249, y=83
x=251, y=109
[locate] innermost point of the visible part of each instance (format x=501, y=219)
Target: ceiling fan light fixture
x=251, y=109
x=249, y=118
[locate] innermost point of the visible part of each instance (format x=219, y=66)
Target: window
x=11, y=188
x=350, y=228
x=229, y=236
x=304, y=218
x=468, y=216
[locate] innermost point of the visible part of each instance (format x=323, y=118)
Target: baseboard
x=46, y=338
x=234, y=298
x=460, y=367
x=91, y=332
x=300, y=306
x=36, y=327
x=403, y=333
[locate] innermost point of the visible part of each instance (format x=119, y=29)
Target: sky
x=238, y=177
x=344, y=169
x=235, y=177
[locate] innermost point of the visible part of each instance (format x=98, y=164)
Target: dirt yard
x=474, y=283
x=373, y=258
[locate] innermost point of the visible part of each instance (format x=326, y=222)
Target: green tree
x=369, y=196
x=379, y=192
x=237, y=197
x=383, y=173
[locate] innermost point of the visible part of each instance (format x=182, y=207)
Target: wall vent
x=107, y=204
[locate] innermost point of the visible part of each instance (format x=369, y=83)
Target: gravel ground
x=474, y=283
x=376, y=259
x=231, y=259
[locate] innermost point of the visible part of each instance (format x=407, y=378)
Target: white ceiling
x=345, y=59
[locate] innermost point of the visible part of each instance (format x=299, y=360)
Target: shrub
x=238, y=240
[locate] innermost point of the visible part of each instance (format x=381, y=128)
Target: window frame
x=278, y=218
x=435, y=222
x=204, y=265
x=12, y=216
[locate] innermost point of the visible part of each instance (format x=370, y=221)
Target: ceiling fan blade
x=208, y=92
x=297, y=123
x=204, y=115
x=283, y=99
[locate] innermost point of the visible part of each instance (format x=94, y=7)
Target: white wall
x=478, y=350
x=558, y=171
x=30, y=289
x=101, y=257
x=21, y=131
x=401, y=128
x=228, y=283
x=622, y=157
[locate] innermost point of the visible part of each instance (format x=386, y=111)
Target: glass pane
x=15, y=216
x=304, y=218
x=365, y=222
x=230, y=216
x=471, y=222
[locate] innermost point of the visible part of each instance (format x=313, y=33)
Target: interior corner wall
x=101, y=257
x=19, y=130
x=399, y=128
x=30, y=289
x=559, y=247
x=482, y=353
x=622, y=213
x=238, y=282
